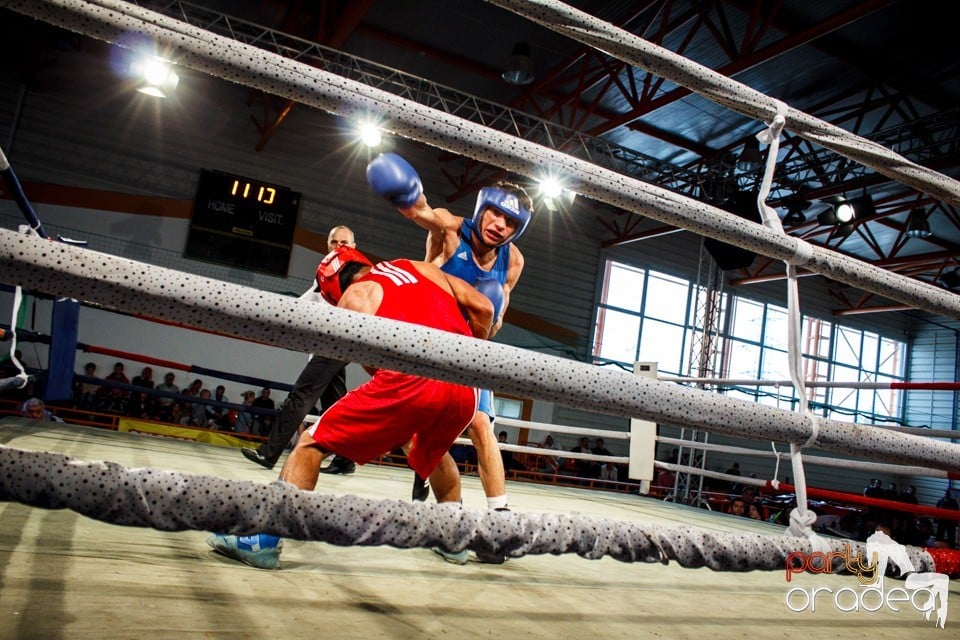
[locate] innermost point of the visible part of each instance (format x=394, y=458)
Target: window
x=649, y=316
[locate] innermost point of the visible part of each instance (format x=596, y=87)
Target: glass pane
x=747, y=319
x=848, y=346
x=744, y=360
x=624, y=287
x=869, y=359
x=775, y=334
x=666, y=298
x=618, y=337
x=775, y=365
x=891, y=357
x=507, y=407
x=662, y=343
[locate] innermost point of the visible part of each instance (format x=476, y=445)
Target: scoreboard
x=241, y=222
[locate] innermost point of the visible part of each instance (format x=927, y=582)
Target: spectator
x=734, y=470
x=548, y=464
x=946, y=528
x=165, y=404
x=219, y=412
x=507, y=456
x=262, y=423
x=138, y=405
x=738, y=507
x=199, y=411
x=665, y=481
x=244, y=422
x=599, y=449
x=34, y=409
x=609, y=471
x=582, y=467
x=117, y=375
x=753, y=511
x=85, y=393
x=114, y=402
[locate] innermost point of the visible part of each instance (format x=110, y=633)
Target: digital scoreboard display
x=242, y=222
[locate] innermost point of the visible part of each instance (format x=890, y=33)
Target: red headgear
x=328, y=272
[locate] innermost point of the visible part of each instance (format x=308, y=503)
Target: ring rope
x=171, y=501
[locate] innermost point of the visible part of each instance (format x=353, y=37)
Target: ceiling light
x=157, y=77
x=370, y=134
x=750, y=158
x=917, y=224
x=520, y=66
x=795, y=206
x=844, y=212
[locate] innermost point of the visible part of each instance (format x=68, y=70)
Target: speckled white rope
x=126, y=285
x=846, y=463
x=111, y=20
x=171, y=501
x=736, y=96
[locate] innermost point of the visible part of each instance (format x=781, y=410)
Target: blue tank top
x=463, y=265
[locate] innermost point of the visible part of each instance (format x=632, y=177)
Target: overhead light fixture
x=951, y=279
x=841, y=215
x=795, y=205
x=157, y=77
x=863, y=206
x=917, y=224
x=520, y=66
x=750, y=158
x=369, y=134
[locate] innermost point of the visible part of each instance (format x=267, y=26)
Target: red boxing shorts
x=392, y=409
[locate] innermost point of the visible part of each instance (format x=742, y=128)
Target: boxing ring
x=201, y=489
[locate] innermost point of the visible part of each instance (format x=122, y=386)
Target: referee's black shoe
x=340, y=465
x=254, y=455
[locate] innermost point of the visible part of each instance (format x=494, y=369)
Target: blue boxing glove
x=393, y=178
x=494, y=292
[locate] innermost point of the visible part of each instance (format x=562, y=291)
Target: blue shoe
x=456, y=558
x=261, y=551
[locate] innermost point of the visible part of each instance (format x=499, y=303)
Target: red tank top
x=411, y=297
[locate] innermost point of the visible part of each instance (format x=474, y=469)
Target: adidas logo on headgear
x=511, y=203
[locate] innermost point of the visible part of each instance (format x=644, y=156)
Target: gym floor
x=63, y=575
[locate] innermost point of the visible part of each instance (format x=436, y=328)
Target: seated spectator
x=548, y=464
x=244, y=423
x=35, y=409
x=734, y=470
x=85, y=393
x=753, y=511
x=599, y=449
x=114, y=402
x=738, y=507
x=199, y=412
x=665, y=481
x=582, y=468
x=609, y=471
x=192, y=391
x=164, y=404
x=509, y=463
x=263, y=424
x=117, y=375
x=219, y=413
x=137, y=407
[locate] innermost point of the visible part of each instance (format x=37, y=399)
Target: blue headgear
x=506, y=203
